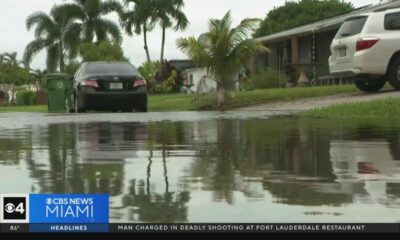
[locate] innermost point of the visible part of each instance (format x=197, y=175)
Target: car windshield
x=111, y=69
x=352, y=27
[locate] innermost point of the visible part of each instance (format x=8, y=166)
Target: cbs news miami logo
x=55, y=208
x=14, y=208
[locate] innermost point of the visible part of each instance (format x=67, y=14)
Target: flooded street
x=210, y=167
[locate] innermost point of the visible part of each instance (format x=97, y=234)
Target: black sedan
x=108, y=86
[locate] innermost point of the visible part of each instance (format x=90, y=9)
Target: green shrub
x=169, y=85
x=247, y=85
x=26, y=98
x=266, y=78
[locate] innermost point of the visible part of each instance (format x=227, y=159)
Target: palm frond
x=108, y=27
x=194, y=49
x=245, y=50
x=72, y=11
x=43, y=22
x=110, y=6
x=33, y=48
x=181, y=20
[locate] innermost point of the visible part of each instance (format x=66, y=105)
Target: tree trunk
x=162, y=65
x=146, y=47
x=61, y=58
x=220, y=93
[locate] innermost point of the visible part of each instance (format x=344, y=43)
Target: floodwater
x=232, y=167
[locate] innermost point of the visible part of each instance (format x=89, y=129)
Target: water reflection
x=216, y=170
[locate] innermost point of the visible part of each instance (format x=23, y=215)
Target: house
x=193, y=75
x=199, y=79
x=305, y=50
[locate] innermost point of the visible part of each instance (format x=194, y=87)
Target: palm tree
x=169, y=14
x=11, y=63
x=12, y=60
x=222, y=50
x=139, y=19
x=38, y=75
x=53, y=33
x=2, y=59
x=91, y=22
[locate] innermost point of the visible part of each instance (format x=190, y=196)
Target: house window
x=191, y=79
x=392, y=21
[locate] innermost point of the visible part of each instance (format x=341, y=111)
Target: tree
x=90, y=22
x=149, y=70
x=294, y=14
x=140, y=18
x=38, y=76
x=169, y=14
x=11, y=70
x=103, y=51
x=222, y=50
x=72, y=67
x=11, y=59
x=53, y=33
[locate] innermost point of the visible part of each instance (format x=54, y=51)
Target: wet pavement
x=209, y=167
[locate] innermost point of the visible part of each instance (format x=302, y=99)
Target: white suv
x=367, y=49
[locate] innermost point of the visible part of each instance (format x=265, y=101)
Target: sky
x=14, y=36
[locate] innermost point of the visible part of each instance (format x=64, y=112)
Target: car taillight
x=366, y=43
x=90, y=83
x=139, y=82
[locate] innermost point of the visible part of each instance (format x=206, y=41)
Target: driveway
x=312, y=103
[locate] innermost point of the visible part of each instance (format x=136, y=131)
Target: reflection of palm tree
x=161, y=208
x=164, y=157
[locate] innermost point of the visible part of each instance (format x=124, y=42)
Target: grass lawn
x=377, y=108
x=24, y=109
x=182, y=102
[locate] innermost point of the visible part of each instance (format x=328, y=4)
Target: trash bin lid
x=57, y=75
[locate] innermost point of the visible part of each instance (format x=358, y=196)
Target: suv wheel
x=370, y=86
x=394, y=74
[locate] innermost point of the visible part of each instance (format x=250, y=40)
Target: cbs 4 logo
x=14, y=208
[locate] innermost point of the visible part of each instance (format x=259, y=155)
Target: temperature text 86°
x=14, y=227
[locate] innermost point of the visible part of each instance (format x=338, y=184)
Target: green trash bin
x=58, y=87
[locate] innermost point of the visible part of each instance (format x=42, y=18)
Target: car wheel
x=370, y=86
x=79, y=104
x=394, y=74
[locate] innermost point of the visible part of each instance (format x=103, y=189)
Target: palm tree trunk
x=221, y=93
x=146, y=47
x=162, y=55
x=62, y=64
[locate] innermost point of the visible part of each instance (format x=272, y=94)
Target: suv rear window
x=351, y=27
x=392, y=21
x=111, y=69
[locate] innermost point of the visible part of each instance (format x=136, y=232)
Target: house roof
x=327, y=24
x=182, y=65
